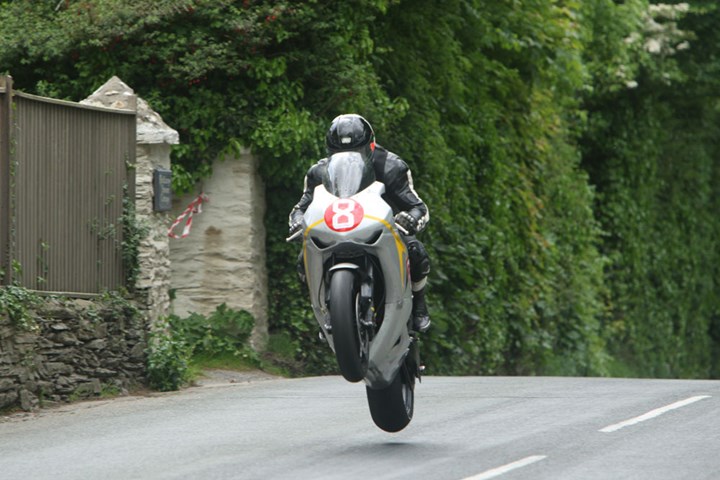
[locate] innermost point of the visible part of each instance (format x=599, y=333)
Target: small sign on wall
x=162, y=187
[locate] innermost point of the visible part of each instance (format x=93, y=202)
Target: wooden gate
x=65, y=174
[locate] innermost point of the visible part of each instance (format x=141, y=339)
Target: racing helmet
x=351, y=132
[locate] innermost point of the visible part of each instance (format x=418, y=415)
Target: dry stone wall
x=73, y=349
x=79, y=348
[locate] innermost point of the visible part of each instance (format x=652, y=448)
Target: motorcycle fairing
x=375, y=236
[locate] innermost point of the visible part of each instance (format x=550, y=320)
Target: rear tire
x=392, y=407
x=351, y=349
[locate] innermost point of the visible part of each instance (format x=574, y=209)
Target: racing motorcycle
x=358, y=276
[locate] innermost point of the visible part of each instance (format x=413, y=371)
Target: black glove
x=295, y=227
x=407, y=222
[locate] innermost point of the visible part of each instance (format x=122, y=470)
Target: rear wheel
x=350, y=342
x=392, y=407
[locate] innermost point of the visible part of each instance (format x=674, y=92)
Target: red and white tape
x=194, y=207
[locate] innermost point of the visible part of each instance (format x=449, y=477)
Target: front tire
x=392, y=407
x=351, y=348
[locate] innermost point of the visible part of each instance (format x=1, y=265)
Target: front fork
x=364, y=275
x=412, y=366
x=367, y=306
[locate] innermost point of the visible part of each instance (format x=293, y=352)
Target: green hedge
x=652, y=152
x=567, y=151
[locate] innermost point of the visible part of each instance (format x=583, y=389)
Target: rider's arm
x=312, y=180
x=404, y=196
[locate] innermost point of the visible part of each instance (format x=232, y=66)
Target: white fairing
x=335, y=228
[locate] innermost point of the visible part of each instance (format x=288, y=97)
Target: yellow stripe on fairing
x=311, y=226
x=399, y=244
x=305, y=235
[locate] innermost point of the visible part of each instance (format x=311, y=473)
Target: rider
x=352, y=132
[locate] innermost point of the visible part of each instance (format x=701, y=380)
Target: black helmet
x=350, y=132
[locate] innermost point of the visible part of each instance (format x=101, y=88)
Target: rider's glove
x=406, y=222
x=295, y=227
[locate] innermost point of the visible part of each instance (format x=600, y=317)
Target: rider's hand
x=295, y=227
x=407, y=222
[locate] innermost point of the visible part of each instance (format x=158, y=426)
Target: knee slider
x=419, y=261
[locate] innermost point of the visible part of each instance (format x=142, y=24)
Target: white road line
x=496, y=472
x=652, y=414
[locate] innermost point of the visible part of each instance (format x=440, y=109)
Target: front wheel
x=351, y=345
x=392, y=407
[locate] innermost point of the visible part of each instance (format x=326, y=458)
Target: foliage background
x=567, y=149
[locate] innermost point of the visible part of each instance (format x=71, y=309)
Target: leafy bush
x=224, y=331
x=172, y=348
x=168, y=361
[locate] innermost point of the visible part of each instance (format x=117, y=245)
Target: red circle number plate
x=344, y=214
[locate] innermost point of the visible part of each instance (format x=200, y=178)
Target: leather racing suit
x=391, y=170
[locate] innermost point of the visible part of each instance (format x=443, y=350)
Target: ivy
x=18, y=303
x=650, y=150
x=133, y=234
x=565, y=149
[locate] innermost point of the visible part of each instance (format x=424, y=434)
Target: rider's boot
x=420, y=314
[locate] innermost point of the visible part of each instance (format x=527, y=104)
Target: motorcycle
x=358, y=276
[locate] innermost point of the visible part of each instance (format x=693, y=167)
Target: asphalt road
x=319, y=428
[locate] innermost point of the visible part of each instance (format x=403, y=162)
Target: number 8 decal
x=343, y=215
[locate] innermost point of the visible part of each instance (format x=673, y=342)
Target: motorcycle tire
x=392, y=407
x=351, y=348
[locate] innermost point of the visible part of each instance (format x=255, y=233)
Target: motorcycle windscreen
x=348, y=173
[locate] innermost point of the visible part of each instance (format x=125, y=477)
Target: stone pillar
x=223, y=258
x=154, y=139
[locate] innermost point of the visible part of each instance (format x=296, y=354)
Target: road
x=319, y=428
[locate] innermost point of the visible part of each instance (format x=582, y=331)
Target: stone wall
x=223, y=258
x=79, y=348
x=75, y=349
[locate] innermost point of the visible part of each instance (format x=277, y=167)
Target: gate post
x=153, y=142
